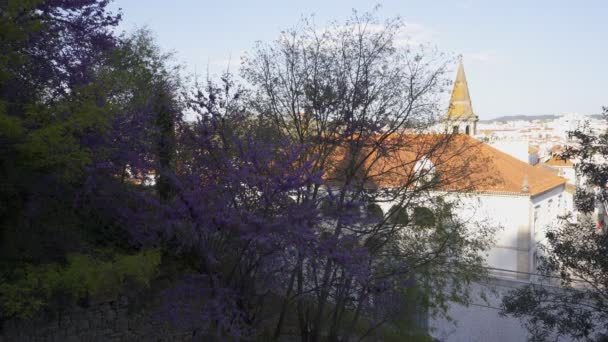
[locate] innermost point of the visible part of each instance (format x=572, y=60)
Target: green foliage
x=410, y=324
x=15, y=27
x=10, y=127
x=60, y=241
x=35, y=287
x=570, y=299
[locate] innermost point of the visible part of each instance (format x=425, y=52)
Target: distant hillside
x=521, y=117
x=530, y=118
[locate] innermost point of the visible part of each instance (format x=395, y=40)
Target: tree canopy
x=242, y=221
x=570, y=297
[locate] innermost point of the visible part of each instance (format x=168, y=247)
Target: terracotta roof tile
x=548, y=168
x=461, y=162
x=557, y=161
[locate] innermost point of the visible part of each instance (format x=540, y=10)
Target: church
x=498, y=188
x=516, y=198
x=519, y=200
x=522, y=198
x=522, y=202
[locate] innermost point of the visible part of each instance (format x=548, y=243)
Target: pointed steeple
x=460, y=102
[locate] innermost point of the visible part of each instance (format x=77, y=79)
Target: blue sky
x=521, y=56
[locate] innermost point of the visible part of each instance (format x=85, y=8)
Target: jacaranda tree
x=356, y=97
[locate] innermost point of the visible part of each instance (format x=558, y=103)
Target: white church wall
x=547, y=207
x=514, y=251
x=510, y=216
x=516, y=237
x=520, y=222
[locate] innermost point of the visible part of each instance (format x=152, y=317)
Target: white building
x=498, y=189
x=518, y=199
x=522, y=200
x=564, y=168
x=516, y=148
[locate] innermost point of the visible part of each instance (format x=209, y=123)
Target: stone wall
x=109, y=321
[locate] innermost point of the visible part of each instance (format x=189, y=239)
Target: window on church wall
x=374, y=212
x=398, y=215
x=467, y=130
x=455, y=129
x=424, y=217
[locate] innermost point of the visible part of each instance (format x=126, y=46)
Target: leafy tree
x=50, y=52
x=39, y=287
x=69, y=91
x=232, y=220
x=571, y=296
x=349, y=93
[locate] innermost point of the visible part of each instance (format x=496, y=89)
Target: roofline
x=508, y=193
x=489, y=192
x=549, y=189
x=493, y=192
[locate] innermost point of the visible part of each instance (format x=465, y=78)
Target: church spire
x=460, y=117
x=460, y=102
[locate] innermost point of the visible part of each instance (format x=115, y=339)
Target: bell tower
x=460, y=118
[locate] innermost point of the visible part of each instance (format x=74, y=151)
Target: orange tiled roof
x=547, y=168
x=461, y=162
x=557, y=161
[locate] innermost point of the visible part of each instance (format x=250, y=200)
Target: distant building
x=532, y=155
x=564, y=167
x=514, y=148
